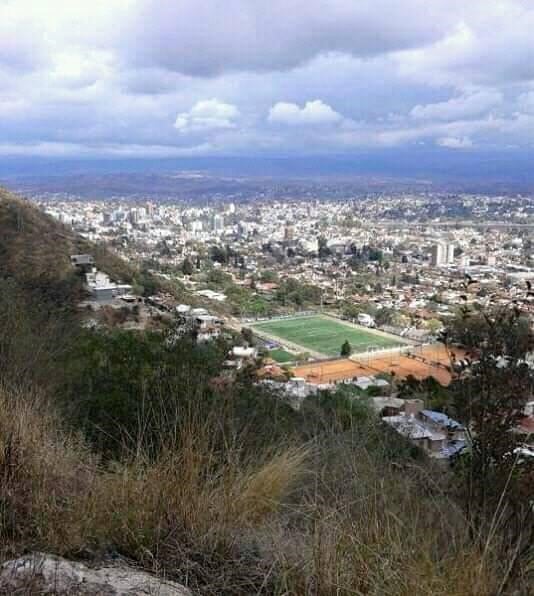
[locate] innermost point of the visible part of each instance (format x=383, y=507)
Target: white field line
x=371, y=331
x=270, y=336
x=289, y=344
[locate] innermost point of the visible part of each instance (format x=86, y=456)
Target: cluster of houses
x=435, y=433
x=440, y=436
x=199, y=323
x=99, y=284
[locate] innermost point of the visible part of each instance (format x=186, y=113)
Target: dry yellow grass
x=191, y=505
x=43, y=471
x=324, y=521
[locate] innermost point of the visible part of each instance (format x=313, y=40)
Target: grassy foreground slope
x=327, y=517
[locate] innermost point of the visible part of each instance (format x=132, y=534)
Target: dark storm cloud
x=212, y=37
x=178, y=77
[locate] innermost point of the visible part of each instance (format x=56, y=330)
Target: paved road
x=460, y=223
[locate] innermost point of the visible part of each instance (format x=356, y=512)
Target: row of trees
x=495, y=481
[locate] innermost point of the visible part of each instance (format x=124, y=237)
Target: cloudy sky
x=178, y=78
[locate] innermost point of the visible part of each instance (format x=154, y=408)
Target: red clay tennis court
x=426, y=361
x=330, y=371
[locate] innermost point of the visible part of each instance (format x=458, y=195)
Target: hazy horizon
x=490, y=171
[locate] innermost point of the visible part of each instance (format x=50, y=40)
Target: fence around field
x=376, y=352
x=403, y=340
x=298, y=315
x=419, y=361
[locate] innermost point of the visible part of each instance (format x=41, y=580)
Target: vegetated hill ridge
x=35, y=249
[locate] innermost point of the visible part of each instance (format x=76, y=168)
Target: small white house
x=211, y=295
x=366, y=320
x=242, y=352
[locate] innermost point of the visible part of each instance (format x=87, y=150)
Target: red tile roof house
x=526, y=426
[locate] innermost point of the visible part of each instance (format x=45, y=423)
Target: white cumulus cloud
x=455, y=142
x=313, y=112
x=468, y=105
x=207, y=114
x=448, y=73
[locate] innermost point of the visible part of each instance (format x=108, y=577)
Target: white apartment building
x=442, y=254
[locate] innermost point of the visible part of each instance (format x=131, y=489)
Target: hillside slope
x=35, y=250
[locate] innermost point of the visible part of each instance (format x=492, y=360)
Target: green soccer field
x=324, y=335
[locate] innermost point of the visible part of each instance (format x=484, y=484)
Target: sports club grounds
x=420, y=362
x=373, y=351
x=322, y=336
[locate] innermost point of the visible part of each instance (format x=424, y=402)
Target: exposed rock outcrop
x=40, y=573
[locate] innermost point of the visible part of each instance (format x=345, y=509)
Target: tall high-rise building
x=438, y=254
x=442, y=254
x=196, y=226
x=218, y=223
x=450, y=254
x=134, y=216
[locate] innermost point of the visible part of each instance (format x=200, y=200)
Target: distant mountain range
x=498, y=172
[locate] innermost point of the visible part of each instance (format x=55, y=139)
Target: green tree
x=268, y=276
x=247, y=335
x=384, y=316
x=346, y=349
x=323, y=250
x=375, y=254
x=497, y=486
x=219, y=254
x=187, y=267
x=434, y=325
